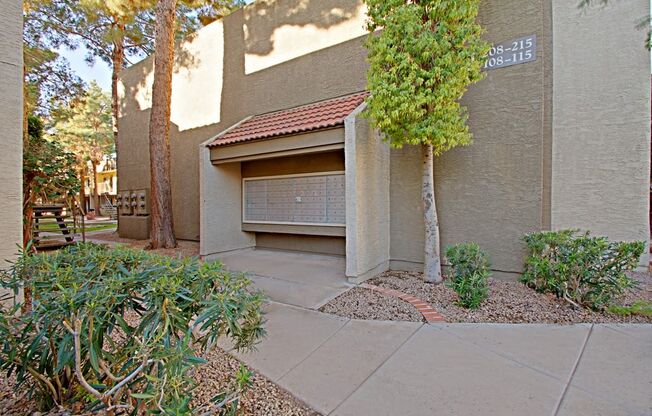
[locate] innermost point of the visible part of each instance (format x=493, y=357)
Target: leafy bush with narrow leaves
x=584, y=270
x=123, y=329
x=469, y=273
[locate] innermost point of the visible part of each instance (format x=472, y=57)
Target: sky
x=100, y=71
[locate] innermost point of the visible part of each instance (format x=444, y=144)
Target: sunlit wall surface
x=276, y=32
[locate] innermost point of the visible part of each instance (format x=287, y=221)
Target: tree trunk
x=82, y=193
x=117, y=58
x=432, y=260
x=28, y=223
x=96, y=192
x=162, y=232
x=28, y=214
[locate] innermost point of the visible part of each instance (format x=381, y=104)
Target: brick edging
x=429, y=313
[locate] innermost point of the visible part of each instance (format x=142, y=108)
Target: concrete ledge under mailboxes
x=134, y=226
x=330, y=231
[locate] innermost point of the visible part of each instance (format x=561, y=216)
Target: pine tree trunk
x=82, y=193
x=432, y=260
x=162, y=232
x=117, y=59
x=28, y=224
x=28, y=214
x=96, y=192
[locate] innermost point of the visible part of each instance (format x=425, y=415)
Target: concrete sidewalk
x=349, y=367
x=300, y=279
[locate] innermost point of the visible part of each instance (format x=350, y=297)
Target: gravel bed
x=264, y=398
x=359, y=303
x=508, y=302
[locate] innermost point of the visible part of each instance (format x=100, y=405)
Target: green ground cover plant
x=123, y=330
x=469, y=273
x=584, y=270
x=641, y=307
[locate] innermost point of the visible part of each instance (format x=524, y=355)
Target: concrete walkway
x=349, y=367
x=299, y=279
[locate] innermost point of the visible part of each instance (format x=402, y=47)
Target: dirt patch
x=359, y=303
x=185, y=248
x=508, y=302
x=264, y=399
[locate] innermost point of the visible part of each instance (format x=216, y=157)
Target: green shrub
x=584, y=270
x=470, y=271
x=123, y=328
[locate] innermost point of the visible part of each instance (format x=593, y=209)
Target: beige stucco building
x=561, y=139
x=11, y=120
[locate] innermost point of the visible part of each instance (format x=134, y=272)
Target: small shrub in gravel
x=469, y=273
x=122, y=329
x=583, y=270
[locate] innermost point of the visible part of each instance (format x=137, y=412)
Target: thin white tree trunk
x=432, y=260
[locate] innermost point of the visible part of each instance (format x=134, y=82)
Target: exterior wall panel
x=601, y=113
x=11, y=120
x=367, y=200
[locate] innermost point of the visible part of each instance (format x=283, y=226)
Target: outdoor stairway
x=110, y=211
x=51, y=223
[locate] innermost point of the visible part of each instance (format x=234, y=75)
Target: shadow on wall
x=276, y=31
x=196, y=80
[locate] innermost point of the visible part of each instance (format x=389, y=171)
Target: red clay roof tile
x=316, y=116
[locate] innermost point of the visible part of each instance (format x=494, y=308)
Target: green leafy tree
x=49, y=83
x=49, y=173
x=86, y=131
x=423, y=55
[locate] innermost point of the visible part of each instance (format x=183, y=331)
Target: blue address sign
x=513, y=52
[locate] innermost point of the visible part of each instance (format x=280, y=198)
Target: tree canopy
x=86, y=130
x=423, y=56
x=48, y=169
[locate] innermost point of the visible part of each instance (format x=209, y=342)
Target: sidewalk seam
x=313, y=351
x=505, y=357
x=555, y=411
x=348, y=396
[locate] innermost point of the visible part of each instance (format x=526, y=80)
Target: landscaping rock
x=360, y=303
x=508, y=302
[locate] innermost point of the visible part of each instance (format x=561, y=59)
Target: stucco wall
x=367, y=199
x=539, y=159
x=11, y=120
x=491, y=191
x=221, y=208
x=289, y=70
x=601, y=120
